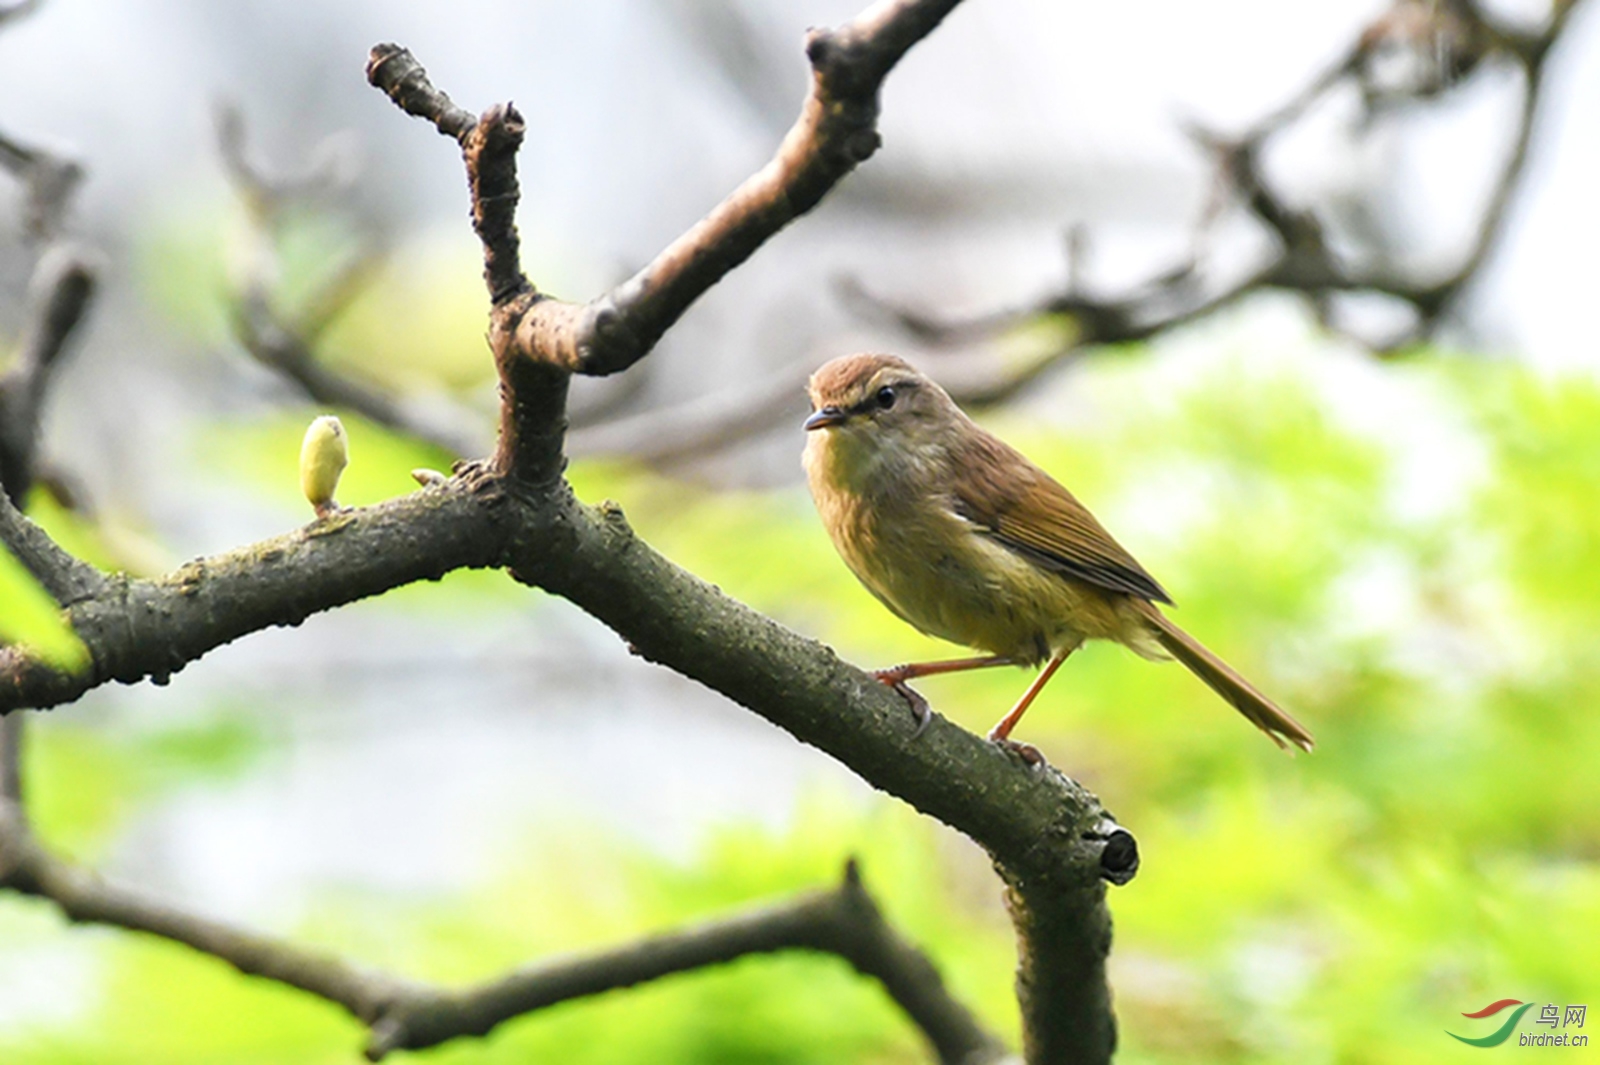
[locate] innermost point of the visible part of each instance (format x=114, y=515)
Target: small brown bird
x=964, y=538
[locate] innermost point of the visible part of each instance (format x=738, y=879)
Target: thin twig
x=283, y=341
x=697, y=428
x=60, y=293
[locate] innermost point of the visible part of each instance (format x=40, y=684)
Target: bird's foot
x=1026, y=751
x=920, y=710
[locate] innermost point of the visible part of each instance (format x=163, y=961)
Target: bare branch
x=533, y=335
x=844, y=921
x=331, y=167
x=28, y=868
x=1053, y=843
x=407, y=1015
x=397, y=72
x=1450, y=39
x=62, y=287
x=68, y=580
x=286, y=351
x=699, y=427
x=836, y=131
x=1051, y=840
x=283, y=341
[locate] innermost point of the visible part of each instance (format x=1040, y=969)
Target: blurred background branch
x=1418, y=53
x=406, y=1015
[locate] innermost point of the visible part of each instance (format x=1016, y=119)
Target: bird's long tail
x=1265, y=714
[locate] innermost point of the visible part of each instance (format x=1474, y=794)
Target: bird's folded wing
x=1036, y=517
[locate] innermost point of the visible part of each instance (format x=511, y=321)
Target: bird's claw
x=920, y=710
x=1026, y=751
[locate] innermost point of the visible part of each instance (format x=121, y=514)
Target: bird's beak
x=825, y=417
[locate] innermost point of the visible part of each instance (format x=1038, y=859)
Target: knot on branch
x=1119, y=852
x=607, y=344
x=844, y=67
x=393, y=1018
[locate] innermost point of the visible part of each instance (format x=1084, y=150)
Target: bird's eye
x=885, y=397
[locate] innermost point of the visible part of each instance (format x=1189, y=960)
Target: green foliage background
x=1407, y=555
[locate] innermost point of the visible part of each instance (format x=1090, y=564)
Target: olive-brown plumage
x=960, y=535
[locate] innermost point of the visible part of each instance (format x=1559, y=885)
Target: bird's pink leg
x=1001, y=733
x=912, y=670
x=896, y=677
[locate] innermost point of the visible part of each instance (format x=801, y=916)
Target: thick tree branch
x=1051, y=840
x=135, y=629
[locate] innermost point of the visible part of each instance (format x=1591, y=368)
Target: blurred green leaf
x=28, y=615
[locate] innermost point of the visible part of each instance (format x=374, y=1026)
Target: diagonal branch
x=1053, y=844
x=532, y=334
x=836, y=132
x=69, y=580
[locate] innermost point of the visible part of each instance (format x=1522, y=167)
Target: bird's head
x=875, y=420
x=868, y=402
